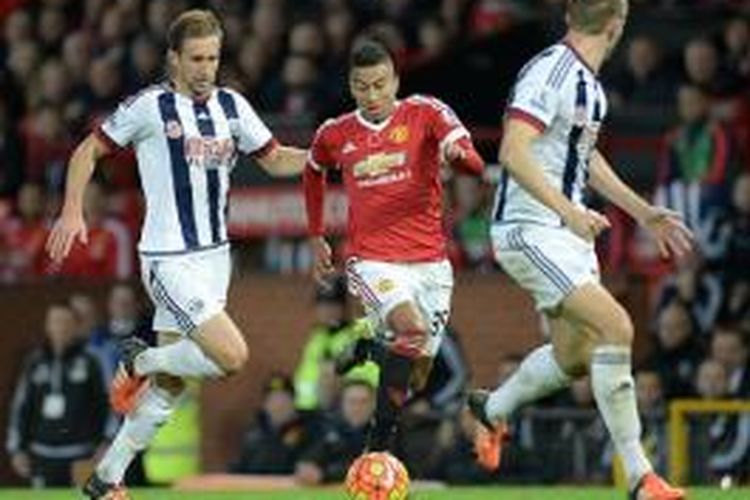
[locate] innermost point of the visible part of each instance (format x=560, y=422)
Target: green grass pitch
x=489, y=493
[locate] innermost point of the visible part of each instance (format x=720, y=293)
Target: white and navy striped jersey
x=557, y=93
x=185, y=150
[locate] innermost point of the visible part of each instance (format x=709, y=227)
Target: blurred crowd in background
x=679, y=130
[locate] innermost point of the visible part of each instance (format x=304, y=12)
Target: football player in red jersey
x=390, y=153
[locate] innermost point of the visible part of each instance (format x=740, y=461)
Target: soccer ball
x=377, y=476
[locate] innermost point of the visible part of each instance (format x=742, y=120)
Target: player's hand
x=585, y=223
x=672, y=237
x=322, y=261
x=21, y=464
x=67, y=229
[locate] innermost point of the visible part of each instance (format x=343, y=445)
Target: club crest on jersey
x=399, y=135
x=385, y=285
x=173, y=129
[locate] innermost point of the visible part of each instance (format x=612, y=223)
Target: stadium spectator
x=21, y=62
x=694, y=167
x=583, y=439
x=731, y=245
x=699, y=290
x=11, y=150
x=470, y=225
x=726, y=437
x=252, y=64
x=736, y=41
x=23, y=237
x=730, y=348
x=104, y=88
x=52, y=85
x=48, y=146
x=87, y=312
x=306, y=39
x=333, y=332
x=144, y=64
x=643, y=82
x=343, y=438
x=60, y=406
x=280, y=435
x=492, y=16
x=51, y=26
x=677, y=351
x=652, y=406
x=123, y=319
x=18, y=27
x=296, y=91
x=703, y=69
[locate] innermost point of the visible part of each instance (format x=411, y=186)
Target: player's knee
x=412, y=342
x=411, y=332
x=173, y=385
x=620, y=331
x=232, y=360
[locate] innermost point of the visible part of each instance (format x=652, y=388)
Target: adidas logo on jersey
x=349, y=147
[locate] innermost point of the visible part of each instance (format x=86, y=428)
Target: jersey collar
x=376, y=127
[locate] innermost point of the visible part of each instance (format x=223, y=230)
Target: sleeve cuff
x=312, y=163
x=105, y=139
x=265, y=150
x=525, y=116
x=452, y=136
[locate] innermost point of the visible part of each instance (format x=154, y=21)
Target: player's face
x=374, y=89
x=196, y=63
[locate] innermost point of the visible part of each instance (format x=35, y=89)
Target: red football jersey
x=391, y=174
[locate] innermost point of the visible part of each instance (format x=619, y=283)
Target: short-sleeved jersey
x=557, y=93
x=185, y=149
x=391, y=173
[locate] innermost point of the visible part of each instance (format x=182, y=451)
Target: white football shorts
x=549, y=262
x=186, y=289
x=381, y=286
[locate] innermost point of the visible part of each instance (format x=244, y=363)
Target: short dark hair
x=369, y=51
x=195, y=23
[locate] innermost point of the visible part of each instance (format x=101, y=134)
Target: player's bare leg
x=215, y=349
x=595, y=310
x=152, y=409
x=411, y=336
x=544, y=371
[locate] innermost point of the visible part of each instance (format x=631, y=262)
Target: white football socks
x=136, y=433
x=181, y=359
x=614, y=391
x=538, y=376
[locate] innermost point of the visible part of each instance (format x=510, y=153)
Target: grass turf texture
x=488, y=493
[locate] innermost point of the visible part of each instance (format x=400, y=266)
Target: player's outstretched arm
x=314, y=180
x=517, y=159
x=70, y=225
x=666, y=226
x=284, y=161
